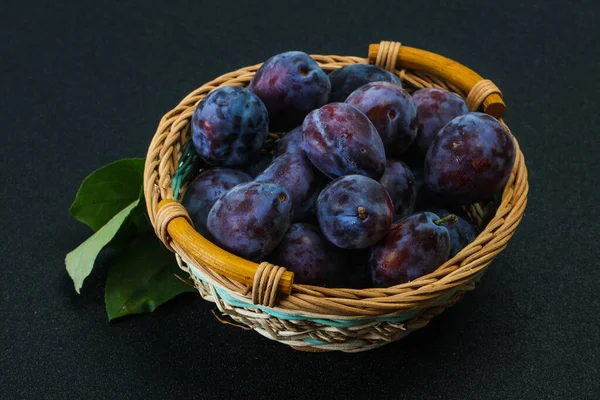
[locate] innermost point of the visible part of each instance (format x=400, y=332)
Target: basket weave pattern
x=316, y=318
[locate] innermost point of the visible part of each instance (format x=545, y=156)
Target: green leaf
x=107, y=191
x=139, y=217
x=141, y=278
x=80, y=261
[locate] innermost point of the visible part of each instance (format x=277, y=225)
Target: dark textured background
x=85, y=84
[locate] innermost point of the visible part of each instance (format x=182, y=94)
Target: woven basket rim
x=319, y=302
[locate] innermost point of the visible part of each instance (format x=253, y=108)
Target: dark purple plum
x=399, y=182
x=205, y=189
x=349, y=78
x=228, y=126
x=354, y=212
x=305, y=251
x=435, y=108
x=340, y=140
x=415, y=246
x=291, y=142
x=291, y=85
x=469, y=160
x=462, y=230
x=251, y=219
x=391, y=110
x=294, y=172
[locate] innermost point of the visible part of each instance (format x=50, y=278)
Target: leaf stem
x=447, y=218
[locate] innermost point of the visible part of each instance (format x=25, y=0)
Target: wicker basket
x=262, y=296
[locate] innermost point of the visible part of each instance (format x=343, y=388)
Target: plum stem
x=447, y=218
x=362, y=213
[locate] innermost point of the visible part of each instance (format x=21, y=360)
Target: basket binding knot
x=264, y=287
x=387, y=56
x=479, y=92
x=168, y=210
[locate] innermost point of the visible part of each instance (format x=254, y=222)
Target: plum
x=415, y=246
x=205, y=189
x=291, y=142
x=469, y=160
x=399, y=182
x=462, y=231
x=435, y=108
x=291, y=84
x=251, y=219
x=354, y=211
x=350, y=77
x=305, y=251
x=391, y=110
x=340, y=140
x=228, y=126
x=294, y=172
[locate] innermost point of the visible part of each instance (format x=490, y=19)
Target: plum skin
x=251, y=219
x=415, y=246
x=354, y=212
x=305, y=251
x=291, y=142
x=469, y=160
x=340, y=140
x=347, y=79
x=294, y=172
x=435, y=108
x=205, y=189
x=391, y=110
x=462, y=231
x=399, y=182
x=228, y=126
x=290, y=84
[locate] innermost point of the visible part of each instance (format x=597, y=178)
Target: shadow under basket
x=263, y=297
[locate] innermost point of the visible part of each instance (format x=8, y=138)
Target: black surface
x=85, y=84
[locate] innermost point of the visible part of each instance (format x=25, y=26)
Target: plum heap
x=367, y=185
